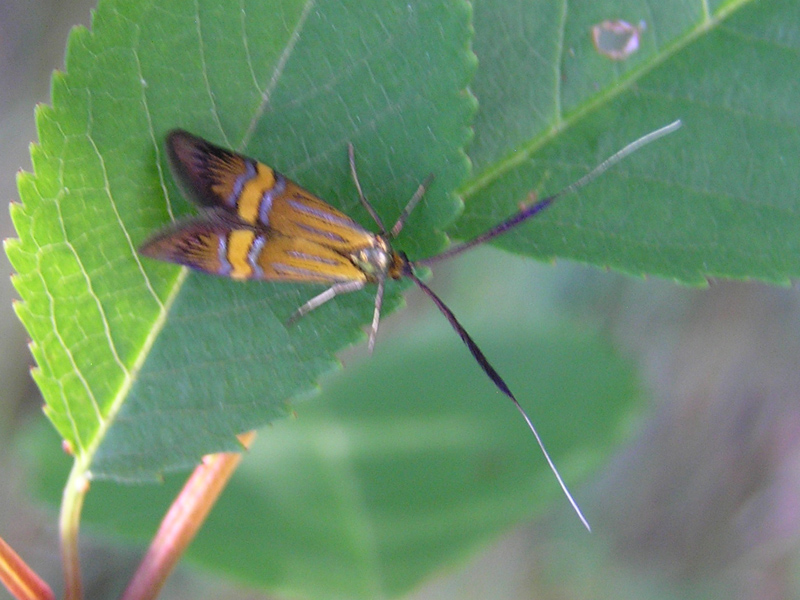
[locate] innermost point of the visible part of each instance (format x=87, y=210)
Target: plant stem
x=183, y=520
x=20, y=580
x=69, y=525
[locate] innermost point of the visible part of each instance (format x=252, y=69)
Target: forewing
x=298, y=214
x=215, y=244
x=202, y=243
x=212, y=176
x=257, y=223
x=281, y=257
x=258, y=195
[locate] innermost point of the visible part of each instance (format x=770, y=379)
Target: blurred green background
x=702, y=501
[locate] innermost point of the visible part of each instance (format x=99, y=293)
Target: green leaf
x=162, y=367
x=721, y=197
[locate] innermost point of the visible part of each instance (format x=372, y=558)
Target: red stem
x=182, y=522
x=20, y=580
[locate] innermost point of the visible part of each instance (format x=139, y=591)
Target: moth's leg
x=401, y=220
x=329, y=294
x=376, y=317
x=351, y=153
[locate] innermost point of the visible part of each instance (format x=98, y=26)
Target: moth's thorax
x=377, y=261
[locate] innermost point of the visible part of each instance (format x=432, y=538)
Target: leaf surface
x=719, y=198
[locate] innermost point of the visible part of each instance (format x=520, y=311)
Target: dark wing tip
x=190, y=157
x=185, y=150
x=156, y=245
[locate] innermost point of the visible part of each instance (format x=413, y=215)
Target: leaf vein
x=61, y=340
x=204, y=70
x=162, y=183
x=100, y=308
x=277, y=72
x=247, y=49
x=557, y=98
x=67, y=407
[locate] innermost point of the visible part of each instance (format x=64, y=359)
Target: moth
x=256, y=223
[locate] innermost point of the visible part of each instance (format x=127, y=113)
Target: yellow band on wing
x=253, y=191
x=239, y=243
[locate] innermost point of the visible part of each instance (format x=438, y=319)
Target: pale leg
x=329, y=294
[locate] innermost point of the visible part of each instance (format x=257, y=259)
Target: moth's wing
x=258, y=195
x=258, y=224
x=214, y=243
x=279, y=257
x=215, y=177
x=297, y=213
x=195, y=242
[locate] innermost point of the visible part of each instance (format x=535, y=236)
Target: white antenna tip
x=552, y=466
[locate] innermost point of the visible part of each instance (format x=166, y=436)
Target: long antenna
x=534, y=209
x=521, y=216
x=496, y=379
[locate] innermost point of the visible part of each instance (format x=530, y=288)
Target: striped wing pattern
x=256, y=223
